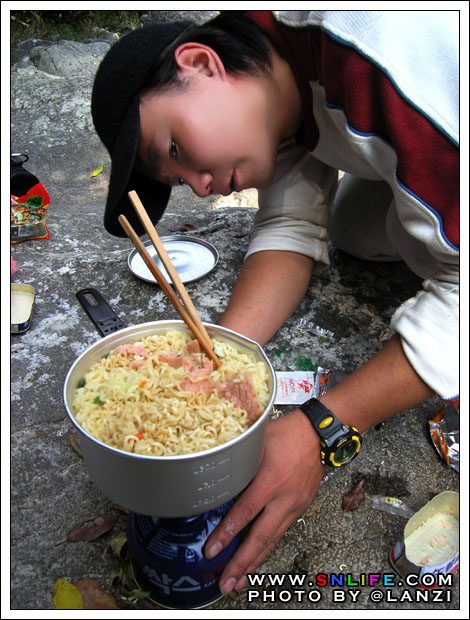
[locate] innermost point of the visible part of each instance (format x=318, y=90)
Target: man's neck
x=287, y=97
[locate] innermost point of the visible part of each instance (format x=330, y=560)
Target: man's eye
x=173, y=150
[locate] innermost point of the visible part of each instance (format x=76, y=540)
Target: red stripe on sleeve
x=428, y=162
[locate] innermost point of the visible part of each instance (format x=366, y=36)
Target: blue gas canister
x=167, y=557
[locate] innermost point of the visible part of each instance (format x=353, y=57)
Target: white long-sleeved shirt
x=380, y=101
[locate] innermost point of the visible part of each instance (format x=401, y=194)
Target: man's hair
x=235, y=38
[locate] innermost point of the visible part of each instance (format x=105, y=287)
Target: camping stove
x=167, y=558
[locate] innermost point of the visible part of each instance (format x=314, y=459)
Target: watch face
x=346, y=451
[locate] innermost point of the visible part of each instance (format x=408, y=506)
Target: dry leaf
x=96, y=171
x=67, y=596
x=93, y=595
x=129, y=590
x=352, y=499
x=91, y=529
x=94, y=528
x=117, y=543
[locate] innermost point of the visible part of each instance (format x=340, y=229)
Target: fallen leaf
x=67, y=596
x=118, y=543
x=96, y=171
x=91, y=529
x=352, y=499
x=94, y=528
x=132, y=596
x=93, y=595
x=128, y=588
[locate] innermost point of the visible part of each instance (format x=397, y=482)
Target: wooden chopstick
x=170, y=268
x=170, y=293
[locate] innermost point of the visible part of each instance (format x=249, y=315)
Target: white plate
x=192, y=258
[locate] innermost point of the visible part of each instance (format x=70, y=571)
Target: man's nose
x=201, y=183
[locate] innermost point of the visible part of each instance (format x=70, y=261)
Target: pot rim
x=178, y=457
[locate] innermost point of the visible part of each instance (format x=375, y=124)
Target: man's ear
x=198, y=58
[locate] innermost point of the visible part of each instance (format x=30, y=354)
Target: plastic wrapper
x=445, y=435
x=392, y=505
x=294, y=359
x=306, y=326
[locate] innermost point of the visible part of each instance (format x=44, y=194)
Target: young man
x=281, y=101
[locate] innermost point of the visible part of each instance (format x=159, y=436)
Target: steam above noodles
x=161, y=396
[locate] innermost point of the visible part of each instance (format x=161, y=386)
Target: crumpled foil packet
x=445, y=435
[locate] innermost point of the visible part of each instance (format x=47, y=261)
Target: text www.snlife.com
x=429, y=588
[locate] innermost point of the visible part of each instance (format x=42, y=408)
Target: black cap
x=115, y=109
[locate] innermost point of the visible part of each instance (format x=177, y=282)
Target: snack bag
x=445, y=434
x=28, y=203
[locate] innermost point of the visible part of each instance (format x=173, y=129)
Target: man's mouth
x=231, y=187
x=233, y=183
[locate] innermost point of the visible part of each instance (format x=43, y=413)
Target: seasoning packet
x=294, y=388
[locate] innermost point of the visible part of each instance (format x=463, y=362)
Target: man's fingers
x=262, y=538
x=232, y=524
x=279, y=492
x=245, y=509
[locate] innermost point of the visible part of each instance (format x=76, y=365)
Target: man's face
x=213, y=135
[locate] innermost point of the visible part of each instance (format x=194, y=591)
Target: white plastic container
x=430, y=544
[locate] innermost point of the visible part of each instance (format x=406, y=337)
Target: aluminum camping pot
x=170, y=486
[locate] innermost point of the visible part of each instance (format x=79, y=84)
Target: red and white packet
x=294, y=388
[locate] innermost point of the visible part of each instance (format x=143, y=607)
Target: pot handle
x=99, y=311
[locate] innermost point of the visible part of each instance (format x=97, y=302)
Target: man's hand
x=284, y=486
x=291, y=471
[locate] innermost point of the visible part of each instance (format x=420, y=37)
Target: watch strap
x=322, y=419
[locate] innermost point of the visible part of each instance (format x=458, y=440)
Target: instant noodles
x=161, y=396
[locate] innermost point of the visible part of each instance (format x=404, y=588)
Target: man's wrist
x=339, y=443
x=308, y=433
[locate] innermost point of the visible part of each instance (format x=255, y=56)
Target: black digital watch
x=340, y=443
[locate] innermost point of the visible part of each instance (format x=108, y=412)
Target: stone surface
x=50, y=488
x=70, y=59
